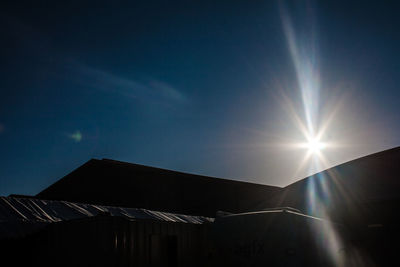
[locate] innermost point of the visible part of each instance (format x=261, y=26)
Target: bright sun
x=314, y=145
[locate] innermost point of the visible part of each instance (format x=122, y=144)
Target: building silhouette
x=134, y=215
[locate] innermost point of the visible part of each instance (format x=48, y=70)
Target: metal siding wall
x=115, y=241
x=133, y=244
x=141, y=244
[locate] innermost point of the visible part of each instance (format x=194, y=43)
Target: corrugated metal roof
x=16, y=214
x=30, y=209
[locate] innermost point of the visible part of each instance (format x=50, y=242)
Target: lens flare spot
x=77, y=136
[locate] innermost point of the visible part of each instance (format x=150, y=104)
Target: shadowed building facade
x=114, y=183
x=135, y=213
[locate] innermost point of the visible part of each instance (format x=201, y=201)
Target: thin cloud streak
x=150, y=91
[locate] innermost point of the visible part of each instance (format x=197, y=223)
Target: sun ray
x=312, y=129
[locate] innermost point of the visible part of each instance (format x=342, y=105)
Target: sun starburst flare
x=312, y=127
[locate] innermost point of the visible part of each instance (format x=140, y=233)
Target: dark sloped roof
x=115, y=183
x=362, y=186
x=368, y=185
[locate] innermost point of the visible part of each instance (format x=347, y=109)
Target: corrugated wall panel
x=114, y=241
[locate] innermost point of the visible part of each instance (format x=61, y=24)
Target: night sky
x=209, y=87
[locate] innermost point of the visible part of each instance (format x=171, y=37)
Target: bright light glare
x=313, y=130
x=314, y=145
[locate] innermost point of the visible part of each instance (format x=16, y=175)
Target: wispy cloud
x=151, y=90
x=167, y=90
x=76, y=136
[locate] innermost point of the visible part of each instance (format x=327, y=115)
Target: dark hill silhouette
x=115, y=183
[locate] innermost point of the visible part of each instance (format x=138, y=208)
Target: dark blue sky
x=195, y=86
